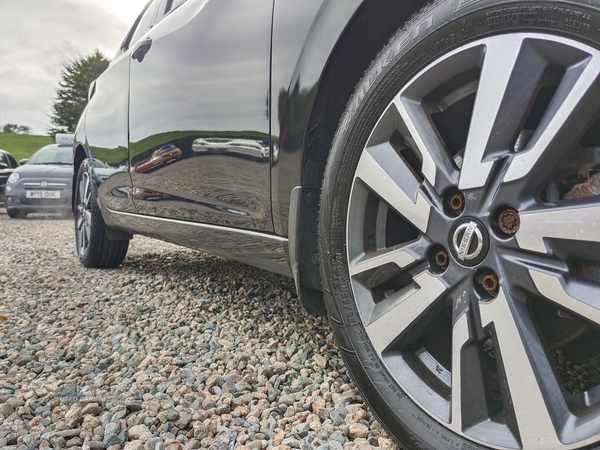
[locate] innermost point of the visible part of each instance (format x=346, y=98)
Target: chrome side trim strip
x=207, y=226
x=265, y=251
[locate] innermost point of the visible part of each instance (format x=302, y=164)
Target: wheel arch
x=369, y=29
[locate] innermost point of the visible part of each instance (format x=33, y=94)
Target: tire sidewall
x=438, y=29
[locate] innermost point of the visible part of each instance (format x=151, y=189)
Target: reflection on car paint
x=193, y=174
x=166, y=154
x=241, y=148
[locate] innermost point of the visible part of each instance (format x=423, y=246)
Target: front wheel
x=94, y=249
x=458, y=228
x=16, y=213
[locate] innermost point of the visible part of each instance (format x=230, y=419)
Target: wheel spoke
x=88, y=195
x=385, y=155
x=550, y=286
x=536, y=427
x=567, y=116
x=400, y=255
x=82, y=189
x=502, y=91
x=575, y=223
x=87, y=233
x=389, y=188
x=405, y=310
x=460, y=337
x=416, y=127
x=82, y=238
x=84, y=214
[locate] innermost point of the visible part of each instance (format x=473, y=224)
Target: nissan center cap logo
x=469, y=242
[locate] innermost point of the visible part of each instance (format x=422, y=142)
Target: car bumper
x=17, y=200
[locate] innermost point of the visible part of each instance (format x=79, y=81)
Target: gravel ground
x=177, y=349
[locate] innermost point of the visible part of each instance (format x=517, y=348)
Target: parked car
x=7, y=165
x=44, y=183
x=430, y=181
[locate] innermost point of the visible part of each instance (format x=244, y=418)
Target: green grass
x=23, y=145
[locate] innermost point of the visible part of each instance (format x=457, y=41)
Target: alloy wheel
x=473, y=235
x=83, y=216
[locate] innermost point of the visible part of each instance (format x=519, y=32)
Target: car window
x=166, y=6
x=128, y=38
x=4, y=159
x=53, y=154
x=146, y=20
x=172, y=4
x=12, y=161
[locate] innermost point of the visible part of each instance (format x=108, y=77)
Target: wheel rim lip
x=350, y=223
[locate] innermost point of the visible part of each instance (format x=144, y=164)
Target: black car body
x=7, y=165
x=224, y=128
x=44, y=183
x=428, y=172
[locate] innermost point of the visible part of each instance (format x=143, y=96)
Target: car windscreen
x=53, y=154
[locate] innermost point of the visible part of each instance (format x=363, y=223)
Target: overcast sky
x=38, y=36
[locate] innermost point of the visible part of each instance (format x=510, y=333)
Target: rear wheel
x=459, y=228
x=93, y=246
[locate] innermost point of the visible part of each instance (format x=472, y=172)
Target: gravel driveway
x=176, y=349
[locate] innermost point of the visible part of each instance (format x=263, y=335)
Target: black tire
x=16, y=213
x=94, y=249
x=405, y=182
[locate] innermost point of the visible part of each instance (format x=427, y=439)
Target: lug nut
x=509, y=222
x=439, y=259
x=442, y=259
x=491, y=283
x=457, y=202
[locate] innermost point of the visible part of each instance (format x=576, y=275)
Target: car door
x=106, y=119
x=198, y=119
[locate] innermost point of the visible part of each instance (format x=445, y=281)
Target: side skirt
x=265, y=251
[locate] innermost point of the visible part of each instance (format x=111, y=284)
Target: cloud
x=37, y=38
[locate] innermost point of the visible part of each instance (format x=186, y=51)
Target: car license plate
x=42, y=194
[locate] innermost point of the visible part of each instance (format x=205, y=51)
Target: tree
x=71, y=95
x=16, y=129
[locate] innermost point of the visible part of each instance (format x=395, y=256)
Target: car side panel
x=304, y=36
x=199, y=125
x=106, y=134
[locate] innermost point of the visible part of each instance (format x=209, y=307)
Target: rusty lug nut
x=509, y=222
x=442, y=259
x=490, y=283
x=457, y=202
